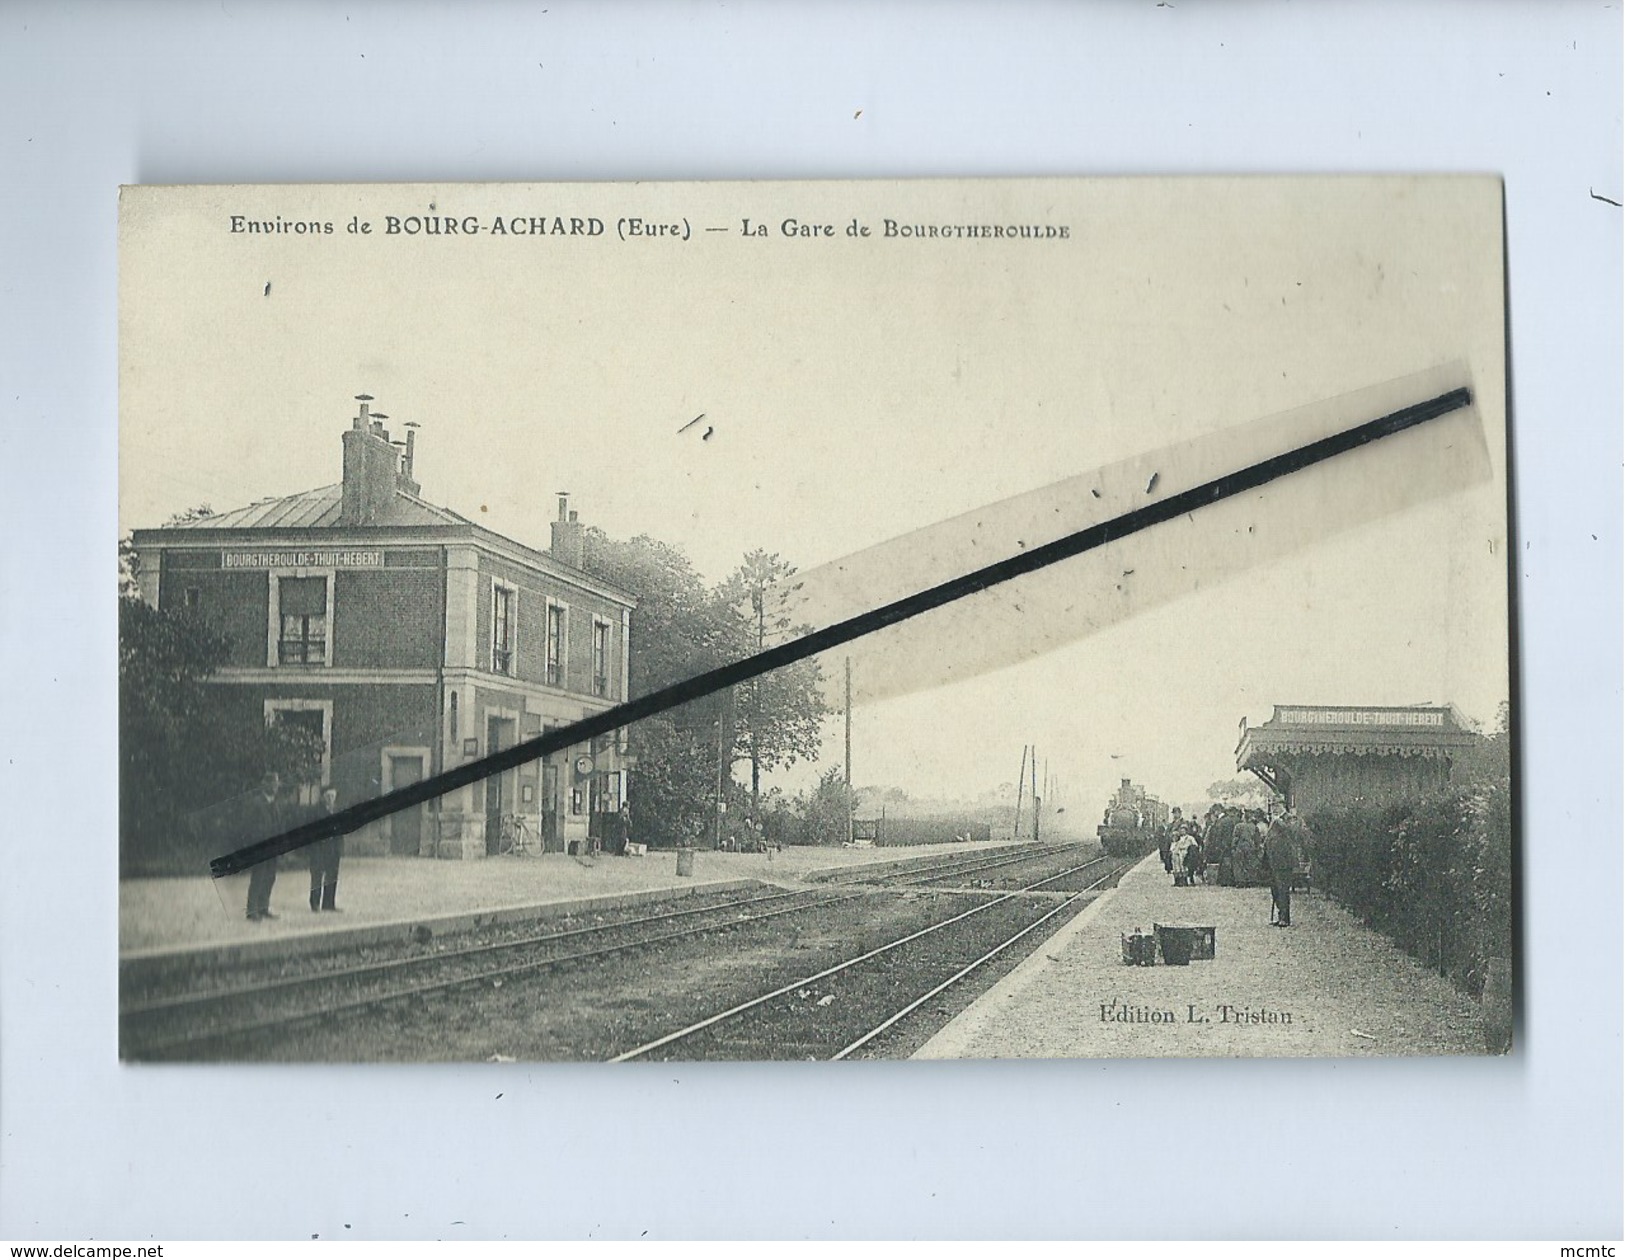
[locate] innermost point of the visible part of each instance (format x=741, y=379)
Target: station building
x=1332, y=757
x=410, y=640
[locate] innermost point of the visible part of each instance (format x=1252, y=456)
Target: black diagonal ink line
x=842, y=632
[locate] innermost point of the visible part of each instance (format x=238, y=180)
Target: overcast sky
x=860, y=389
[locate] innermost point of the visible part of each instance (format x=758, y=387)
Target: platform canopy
x=1305, y=747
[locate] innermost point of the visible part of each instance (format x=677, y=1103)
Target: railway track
x=770, y=1021
x=170, y=1025
x=978, y=867
x=938, y=869
x=155, y=1026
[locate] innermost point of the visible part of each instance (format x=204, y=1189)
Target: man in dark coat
x=263, y=817
x=1281, y=858
x=1246, y=856
x=324, y=857
x=1216, y=846
x=1165, y=846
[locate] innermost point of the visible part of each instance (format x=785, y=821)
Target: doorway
x=405, y=825
x=552, y=837
x=499, y=734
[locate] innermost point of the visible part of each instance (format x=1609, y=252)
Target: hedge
x=1435, y=876
x=917, y=831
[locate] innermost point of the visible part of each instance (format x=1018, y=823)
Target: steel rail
x=638, y=1052
x=359, y=970
x=928, y=866
x=291, y=1018
x=988, y=866
x=970, y=967
x=947, y=868
x=972, y=868
x=203, y=999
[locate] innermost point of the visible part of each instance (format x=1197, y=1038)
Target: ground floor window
x=302, y=741
x=606, y=792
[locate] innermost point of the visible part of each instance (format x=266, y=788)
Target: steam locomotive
x=1129, y=828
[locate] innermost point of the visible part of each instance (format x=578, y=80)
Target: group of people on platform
x=1237, y=847
x=267, y=814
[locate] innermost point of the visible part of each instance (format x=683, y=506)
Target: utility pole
x=1021, y=787
x=722, y=727
x=1038, y=801
x=849, y=750
x=1049, y=787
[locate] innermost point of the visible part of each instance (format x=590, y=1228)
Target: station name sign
x=1362, y=717
x=302, y=559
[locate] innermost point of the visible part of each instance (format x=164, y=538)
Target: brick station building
x=410, y=640
x=1341, y=756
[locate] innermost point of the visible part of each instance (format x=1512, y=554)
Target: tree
x=163, y=660
x=129, y=564
x=1242, y=792
x=679, y=630
x=780, y=715
x=184, y=755
x=823, y=811
x=1489, y=758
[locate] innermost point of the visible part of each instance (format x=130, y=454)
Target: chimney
x=371, y=468
x=404, y=478
x=569, y=535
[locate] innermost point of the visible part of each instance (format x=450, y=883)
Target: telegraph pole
x=716, y=821
x=1021, y=788
x=849, y=750
x=1038, y=801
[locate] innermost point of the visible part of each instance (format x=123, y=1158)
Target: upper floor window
x=502, y=601
x=302, y=606
x=555, y=644
x=600, y=658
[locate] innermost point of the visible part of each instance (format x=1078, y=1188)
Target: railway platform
x=1326, y=986
x=171, y=918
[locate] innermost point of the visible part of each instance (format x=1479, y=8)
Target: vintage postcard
x=934, y=619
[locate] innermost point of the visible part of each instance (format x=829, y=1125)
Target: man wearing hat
x=262, y=819
x=1281, y=859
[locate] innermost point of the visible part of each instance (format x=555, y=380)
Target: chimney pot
x=569, y=535
x=372, y=468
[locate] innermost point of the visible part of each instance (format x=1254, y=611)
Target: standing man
x=1244, y=855
x=263, y=818
x=1281, y=859
x=324, y=856
x=1216, y=845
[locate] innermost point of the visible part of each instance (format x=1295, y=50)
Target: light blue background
x=94, y=95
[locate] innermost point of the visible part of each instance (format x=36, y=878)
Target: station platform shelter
x=1333, y=757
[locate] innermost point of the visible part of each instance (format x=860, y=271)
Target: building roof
x=1351, y=730
x=319, y=509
